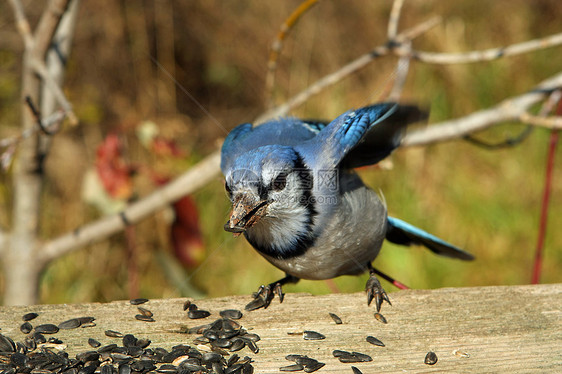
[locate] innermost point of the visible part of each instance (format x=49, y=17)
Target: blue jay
x=299, y=203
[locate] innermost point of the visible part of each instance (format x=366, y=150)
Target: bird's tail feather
x=400, y=232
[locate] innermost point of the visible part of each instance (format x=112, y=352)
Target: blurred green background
x=487, y=202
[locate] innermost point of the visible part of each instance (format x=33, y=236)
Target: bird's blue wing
x=381, y=139
x=338, y=138
x=400, y=232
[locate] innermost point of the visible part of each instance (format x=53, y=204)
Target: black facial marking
x=228, y=190
x=279, y=183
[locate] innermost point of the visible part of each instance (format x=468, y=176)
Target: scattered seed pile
x=214, y=351
x=38, y=355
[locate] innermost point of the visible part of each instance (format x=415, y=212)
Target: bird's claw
x=376, y=292
x=264, y=296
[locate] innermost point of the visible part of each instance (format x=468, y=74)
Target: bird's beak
x=246, y=212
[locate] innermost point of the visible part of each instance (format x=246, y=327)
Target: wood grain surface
x=492, y=329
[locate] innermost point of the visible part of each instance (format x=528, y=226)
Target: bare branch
x=47, y=26
x=477, y=56
x=508, y=110
x=551, y=122
x=40, y=67
x=414, y=32
x=343, y=72
x=22, y=24
x=392, y=29
x=278, y=44
x=401, y=73
x=189, y=182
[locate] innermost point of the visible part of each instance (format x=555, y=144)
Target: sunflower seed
x=211, y=357
x=93, y=343
x=186, y=305
x=362, y=356
x=232, y=359
x=237, y=345
x=336, y=319
x=247, y=369
x=88, y=356
x=231, y=313
x=125, y=369
x=340, y=353
x=39, y=338
x=30, y=343
x=85, y=320
x=459, y=353
x=29, y=316
x=374, y=341
x=222, y=343
x=305, y=361
x=70, y=324
x=313, y=335
x=143, y=343
x=144, y=311
x=351, y=357
x=167, y=368
x=19, y=359
x=252, y=337
x=26, y=327
x=113, y=334
x=257, y=303
x=138, y=301
x=107, y=348
x=313, y=367
x=356, y=371
x=47, y=328
x=250, y=344
x=379, y=317
x=129, y=340
x=107, y=369
x=293, y=367
x=430, y=358
x=197, y=314
x=142, y=317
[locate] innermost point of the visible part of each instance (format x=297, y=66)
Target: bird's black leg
x=375, y=290
x=264, y=295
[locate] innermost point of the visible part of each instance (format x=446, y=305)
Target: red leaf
x=113, y=171
x=186, y=234
x=166, y=147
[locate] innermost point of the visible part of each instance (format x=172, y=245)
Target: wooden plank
x=515, y=328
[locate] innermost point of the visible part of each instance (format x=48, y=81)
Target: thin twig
x=47, y=26
x=343, y=72
x=278, y=44
x=551, y=122
x=508, y=110
x=41, y=69
x=393, y=19
x=22, y=24
x=401, y=73
x=478, y=56
x=413, y=32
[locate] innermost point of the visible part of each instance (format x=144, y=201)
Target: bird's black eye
x=279, y=182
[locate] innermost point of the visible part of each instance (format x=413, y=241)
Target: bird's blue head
x=266, y=185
